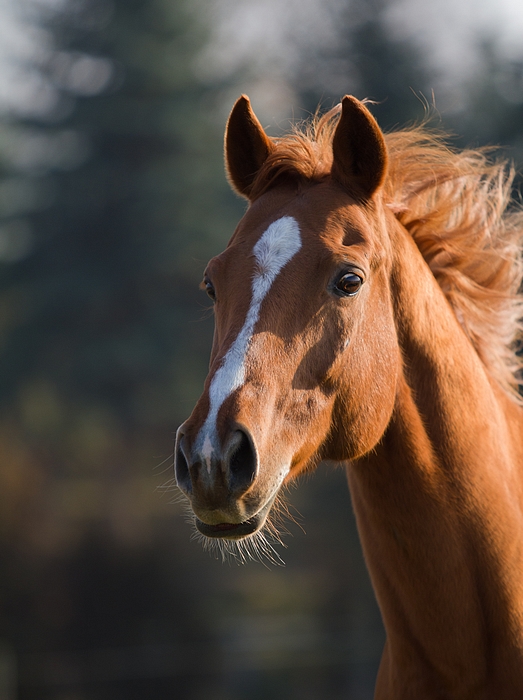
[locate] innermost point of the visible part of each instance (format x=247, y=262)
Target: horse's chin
x=236, y=531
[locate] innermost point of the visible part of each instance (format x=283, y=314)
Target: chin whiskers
x=178, y=498
x=257, y=547
x=282, y=513
x=260, y=546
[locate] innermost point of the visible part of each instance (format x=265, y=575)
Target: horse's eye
x=348, y=284
x=209, y=288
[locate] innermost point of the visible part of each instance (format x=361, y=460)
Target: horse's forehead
x=325, y=220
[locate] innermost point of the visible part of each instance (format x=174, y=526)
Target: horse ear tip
x=242, y=106
x=243, y=100
x=351, y=102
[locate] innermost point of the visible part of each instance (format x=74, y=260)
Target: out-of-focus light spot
x=27, y=52
x=21, y=39
x=82, y=74
x=266, y=41
x=450, y=32
x=24, y=46
x=25, y=92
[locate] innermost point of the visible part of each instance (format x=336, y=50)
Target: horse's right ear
x=359, y=150
x=246, y=146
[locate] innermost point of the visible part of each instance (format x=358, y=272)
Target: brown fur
x=455, y=205
x=421, y=406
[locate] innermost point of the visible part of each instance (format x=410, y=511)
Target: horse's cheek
x=365, y=401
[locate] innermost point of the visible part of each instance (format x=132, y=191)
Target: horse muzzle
x=220, y=484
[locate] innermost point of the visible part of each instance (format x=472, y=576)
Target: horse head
x=305, y=354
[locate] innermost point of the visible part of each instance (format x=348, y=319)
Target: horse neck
x=438, y=504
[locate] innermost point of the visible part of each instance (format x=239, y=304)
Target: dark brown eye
x=348, y=284
x=209, y=288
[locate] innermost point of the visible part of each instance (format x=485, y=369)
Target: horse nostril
x=181, y=469
x=242, y=461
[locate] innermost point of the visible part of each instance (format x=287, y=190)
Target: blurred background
x=112, y=199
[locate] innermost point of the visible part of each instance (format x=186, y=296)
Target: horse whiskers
x=167, y=486
x=260, y=546
x=168, y=459
x=170, y=487
x=257, y=547
x=281, y=512
x=178, y=499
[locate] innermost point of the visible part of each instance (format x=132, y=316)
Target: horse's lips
x=230, y=531
x=236, y=531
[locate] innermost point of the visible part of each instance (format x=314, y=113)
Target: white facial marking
x=280, y=242
x=207, y=450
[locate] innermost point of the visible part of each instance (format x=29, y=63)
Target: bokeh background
x=112, y=199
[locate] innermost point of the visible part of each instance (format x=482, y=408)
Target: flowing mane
x=455, y=205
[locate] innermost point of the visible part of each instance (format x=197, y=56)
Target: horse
x=367, y=313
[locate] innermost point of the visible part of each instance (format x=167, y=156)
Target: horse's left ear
x=359, y=150
x=246, y=146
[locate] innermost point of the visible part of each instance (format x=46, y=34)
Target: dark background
x=112, y=199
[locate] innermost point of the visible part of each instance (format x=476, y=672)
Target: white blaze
x=280, y=242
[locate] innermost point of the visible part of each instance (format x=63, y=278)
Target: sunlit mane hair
x=455, y=205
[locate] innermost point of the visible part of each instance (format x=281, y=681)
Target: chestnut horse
x=366, y=311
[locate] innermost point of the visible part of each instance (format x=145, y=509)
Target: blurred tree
x=369, y=62
x=108, y=213
x=494, y=109
x=114, y=243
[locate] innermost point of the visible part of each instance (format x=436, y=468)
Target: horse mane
x=456, y=205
